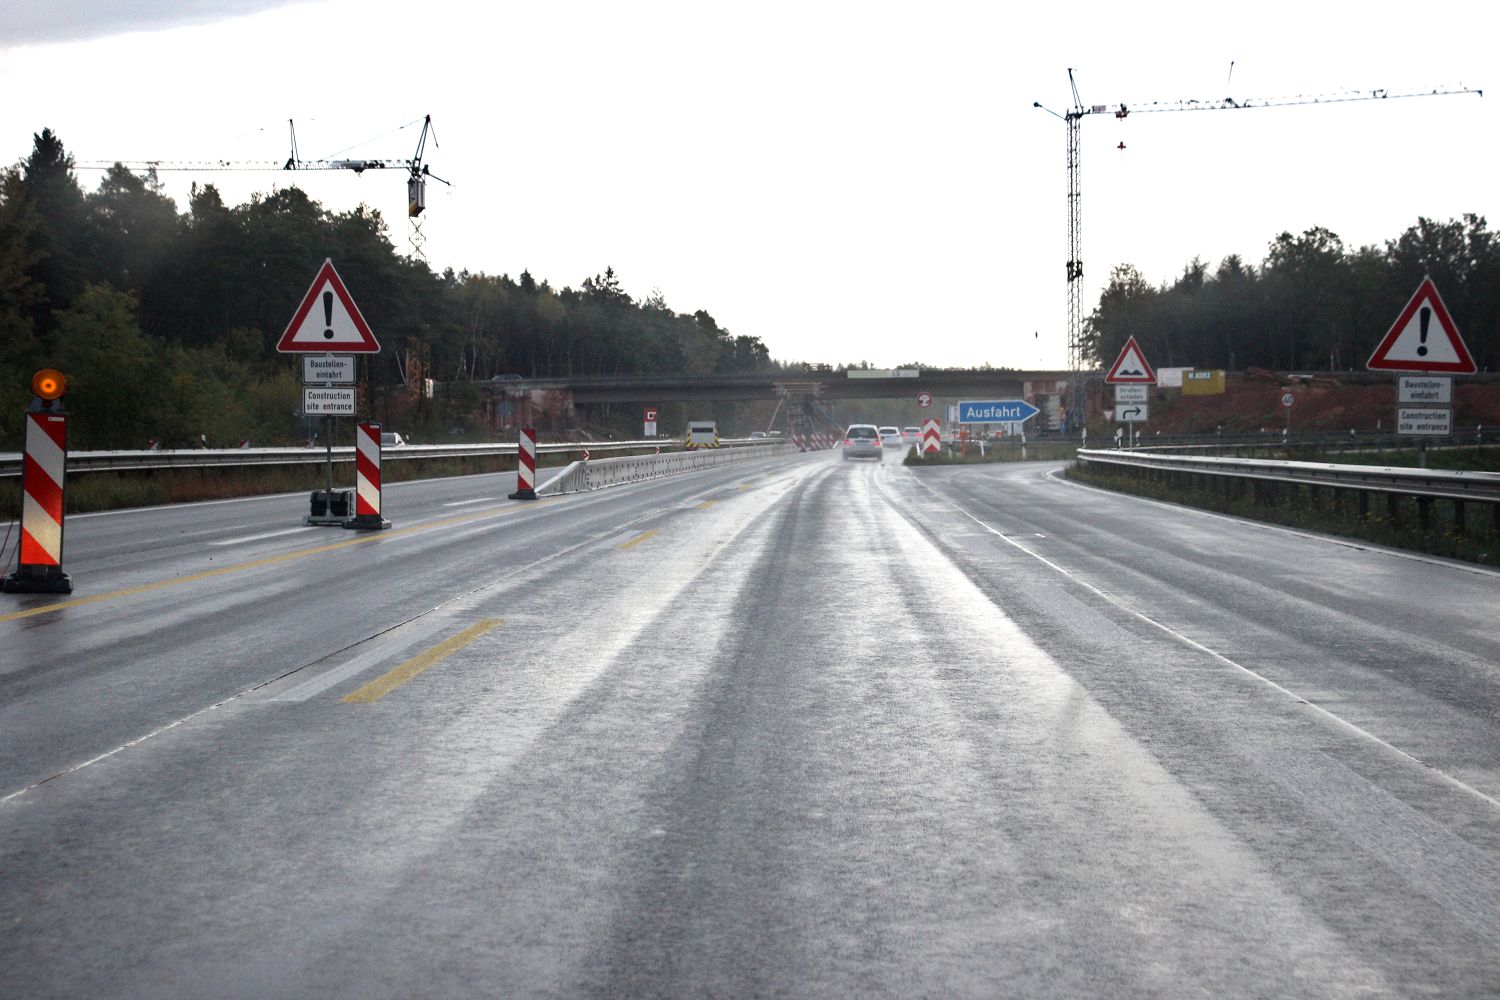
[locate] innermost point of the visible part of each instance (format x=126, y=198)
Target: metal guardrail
x=204, y=458
x=1321, y=441
x=1432, y=483
x=597, y=474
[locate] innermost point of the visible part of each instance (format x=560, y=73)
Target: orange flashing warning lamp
x=48, y=384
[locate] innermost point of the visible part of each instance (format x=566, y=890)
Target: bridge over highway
x=850, y=384
x=806, y=395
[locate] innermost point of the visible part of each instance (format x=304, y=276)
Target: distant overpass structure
x=803, y=396
x=844, y=384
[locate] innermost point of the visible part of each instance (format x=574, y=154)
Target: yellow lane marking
x=426, y=660
x=706, y=503
x=258, y=563
x=638, y=539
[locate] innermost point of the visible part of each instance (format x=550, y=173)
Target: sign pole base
x=522, y=494
x=330, y=508
x=37, y=580
x=367, y=522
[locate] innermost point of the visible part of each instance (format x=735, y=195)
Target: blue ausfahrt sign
x=996, y=411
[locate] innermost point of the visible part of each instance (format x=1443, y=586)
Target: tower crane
x=417, y=174
x=1073, y=118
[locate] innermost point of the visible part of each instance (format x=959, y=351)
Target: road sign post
x=327, y=320
x=1424, y=339
x=1132, y=376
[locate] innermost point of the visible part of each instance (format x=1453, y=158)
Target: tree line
x=165, y=321
x=1311, y=304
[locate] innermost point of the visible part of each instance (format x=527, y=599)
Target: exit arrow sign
x=996, y=411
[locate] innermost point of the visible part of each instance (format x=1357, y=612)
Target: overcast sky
x=845, y=181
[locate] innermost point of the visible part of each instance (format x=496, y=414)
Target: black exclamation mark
x=1424, y=318
x=328, y=319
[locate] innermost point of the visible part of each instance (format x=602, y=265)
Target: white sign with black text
x=328, y=401
x=1434, y=421
x=1132, y=393
x=327, y=369
x=1425, y=390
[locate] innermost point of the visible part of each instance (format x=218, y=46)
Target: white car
x=890, y=437
x=862, y=441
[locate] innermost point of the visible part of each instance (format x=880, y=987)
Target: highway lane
x=177, y=608
x=813, y=729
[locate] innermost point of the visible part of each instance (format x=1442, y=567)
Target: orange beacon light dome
x=48, y=384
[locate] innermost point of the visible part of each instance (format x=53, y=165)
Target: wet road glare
x=803, y=728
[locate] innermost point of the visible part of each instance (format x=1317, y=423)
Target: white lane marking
x=1220, y=657
x=265, y=534
x=1425, y=854
x=465, y=503
x=123, y=747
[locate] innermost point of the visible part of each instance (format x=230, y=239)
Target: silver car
x=862, y=441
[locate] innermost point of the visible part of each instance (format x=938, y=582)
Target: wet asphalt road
x=801, y=728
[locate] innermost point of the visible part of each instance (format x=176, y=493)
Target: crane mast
x=1073, y=119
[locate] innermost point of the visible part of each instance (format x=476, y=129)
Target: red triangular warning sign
x=1130, y=366
x=1423, y=339
x=327, y=320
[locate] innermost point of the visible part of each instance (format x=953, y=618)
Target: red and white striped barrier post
x=43, y=478
x=932, y=437
x=525, y=465
x=367, y=479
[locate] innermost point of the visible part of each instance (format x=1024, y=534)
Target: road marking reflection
x=426, y=660
x=256, y=538
x=638, y=539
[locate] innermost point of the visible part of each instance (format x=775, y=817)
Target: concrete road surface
x=804, y=728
